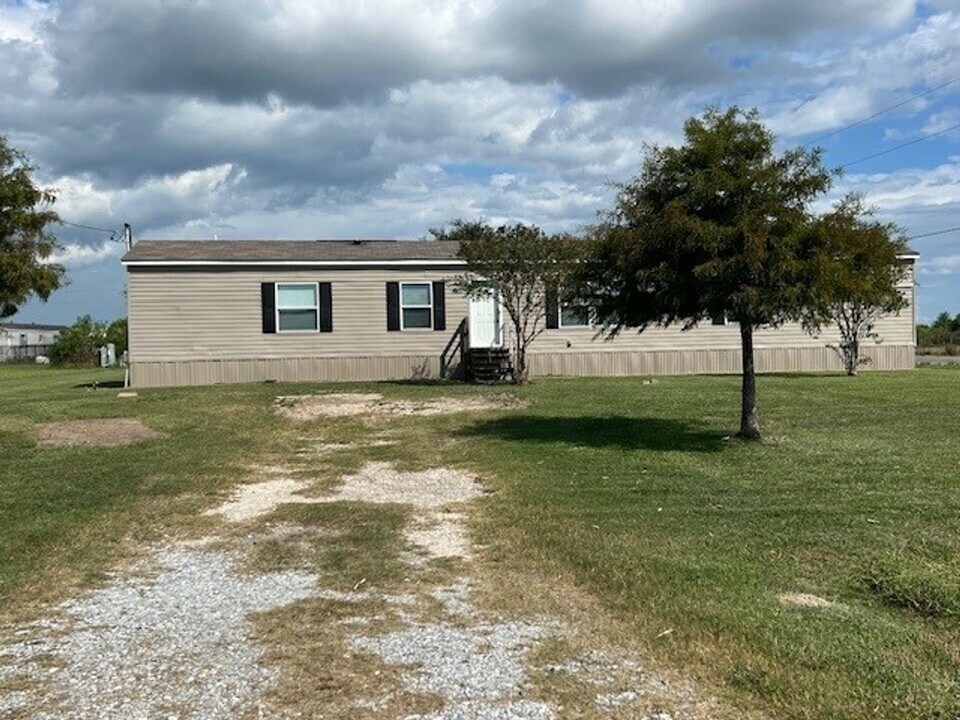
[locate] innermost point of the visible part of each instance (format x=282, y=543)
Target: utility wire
x=935, y=232
x=112, y=233
x=882, y=112
x=901, y=146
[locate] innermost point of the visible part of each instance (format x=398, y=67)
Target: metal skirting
x=711, y=361
x=166, y=373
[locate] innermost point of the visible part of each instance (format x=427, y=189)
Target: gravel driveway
x=173, y=637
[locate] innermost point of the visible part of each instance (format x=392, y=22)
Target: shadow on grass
x=100, y=385
x=624, y=432
x=424, y=382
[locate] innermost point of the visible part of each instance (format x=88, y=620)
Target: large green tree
x=26, y=242
x=854, y=277
x=523, y=265
x=715, y=227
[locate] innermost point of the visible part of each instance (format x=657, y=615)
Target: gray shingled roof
x=290, y=250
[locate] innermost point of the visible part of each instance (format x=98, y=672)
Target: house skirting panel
x=711, y=361
x=166, y=373
x=305, y=369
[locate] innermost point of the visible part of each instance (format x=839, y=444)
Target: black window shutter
x=326, y=307
x=439, y=306
x=553, y=309
x=268, y=308
x=393, y=306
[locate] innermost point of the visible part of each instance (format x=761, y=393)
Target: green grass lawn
x=637, y=491
x=632, y=489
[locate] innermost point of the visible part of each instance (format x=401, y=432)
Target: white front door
x=485, y=321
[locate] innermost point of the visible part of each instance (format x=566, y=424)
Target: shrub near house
x=79, y=343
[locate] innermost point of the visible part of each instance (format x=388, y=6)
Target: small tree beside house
x=854, y=278
x=717, y=227
x=523, y=265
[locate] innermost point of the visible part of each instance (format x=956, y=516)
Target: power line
x=901, y=146
x=112, y=233
x=935, y=232
x=882, y=112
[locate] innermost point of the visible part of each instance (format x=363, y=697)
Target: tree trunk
x=520, y=361
x=749, y=426
x=853, y=358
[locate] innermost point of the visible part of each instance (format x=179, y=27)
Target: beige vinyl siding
x=203, y=325
x=179, y=314
x=895, y=329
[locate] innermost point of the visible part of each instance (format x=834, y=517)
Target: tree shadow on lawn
x=100, y=385
x=628, y=433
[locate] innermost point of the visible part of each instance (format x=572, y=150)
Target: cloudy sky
x=355, y=118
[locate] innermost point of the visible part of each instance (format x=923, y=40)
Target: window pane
x=418, y=294
x=416, y=318
x=298, y=319
x=574, y=315
x=302, y=295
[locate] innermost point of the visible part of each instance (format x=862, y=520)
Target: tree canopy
x=853, y=277
x=26, y=242
x=715, y=227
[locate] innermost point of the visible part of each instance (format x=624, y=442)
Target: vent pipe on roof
x=128, y=235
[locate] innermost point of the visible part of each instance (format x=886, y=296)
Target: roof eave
x=433, y=262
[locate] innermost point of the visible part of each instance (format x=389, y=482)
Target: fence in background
x=23, y=353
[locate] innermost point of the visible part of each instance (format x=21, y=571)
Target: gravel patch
x=444, y=537
x=379, y=482
x=340, y=405
x=475, y=665
x=626, y=682
x=455, y=599
x=156, y=646
x=480, y=666
x=103, y=432
x=257, y=499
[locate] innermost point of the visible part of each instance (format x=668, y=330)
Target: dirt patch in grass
x=340, y=405
x=805, y=600
x=103, y=432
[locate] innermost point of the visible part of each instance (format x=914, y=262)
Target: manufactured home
x=204, y=312
x=25, y=341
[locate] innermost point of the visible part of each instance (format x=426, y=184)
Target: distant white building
x=26, y=340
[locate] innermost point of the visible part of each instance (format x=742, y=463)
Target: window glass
x=298, y=320
x=297, y=296
x=415, y=306
x=416, y=294
x=416, y=318
x=297, y=306
x=574, y=316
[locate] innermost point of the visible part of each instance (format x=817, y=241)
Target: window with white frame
x=574, y=314
x=416, y=306
x=298, y=307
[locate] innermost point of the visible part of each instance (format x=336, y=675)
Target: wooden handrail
x=458, y=342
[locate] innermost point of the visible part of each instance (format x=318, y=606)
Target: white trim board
x=292, y=263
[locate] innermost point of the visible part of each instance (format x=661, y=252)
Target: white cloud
x=74, y=255
x=943, y=265
x=909, y=188
x=841, y=87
